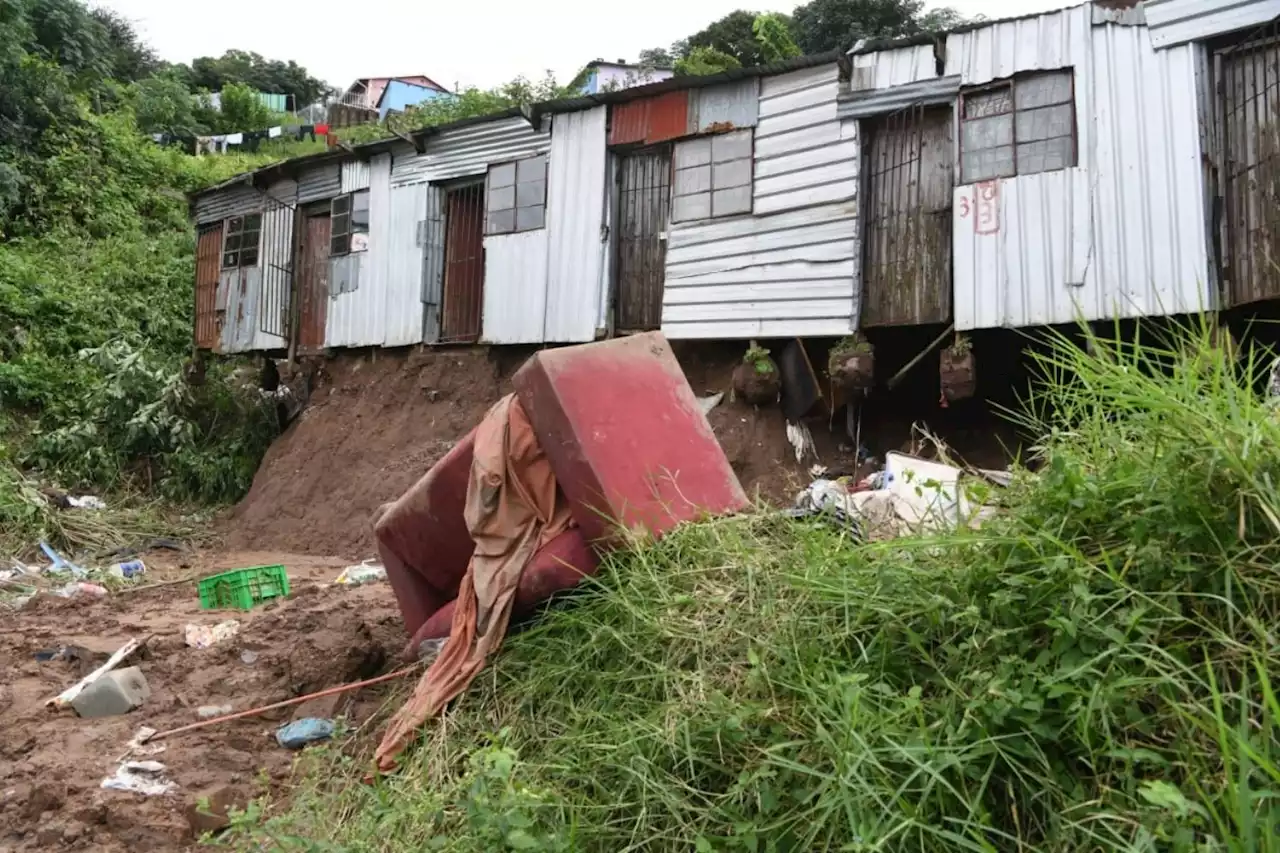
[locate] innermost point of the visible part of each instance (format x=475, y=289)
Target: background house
x=611, y=76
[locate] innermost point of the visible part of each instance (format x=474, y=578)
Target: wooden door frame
x=620, y=153
x=302, y=213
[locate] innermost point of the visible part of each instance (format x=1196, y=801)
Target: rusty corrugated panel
x=644, y=201
x=651, y=120
x=907, y=228
x=463, y=265
x=208, y=265
x=313, y=283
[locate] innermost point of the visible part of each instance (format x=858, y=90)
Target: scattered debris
x=802, y=440
x=827, y=497
x=66, y=697
x=429, y=650
x=113, y=694
x=209, y=810
x=709, y=402
x=208, y=712
x=298, y=734
x=128, y=569
x=249, y=657
x=139, y=746
x=140, y=777
x=86, y=502
x=204, y=636
x=362, y=573
x=243, y=589
x=58, y=563
x=75, y=589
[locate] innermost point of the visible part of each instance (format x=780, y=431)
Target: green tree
x=213, y=74
x=242, y=110
x=734, y=35
x=473, y=101
x=823, y=25
x=162, y=104
x=773, y=32
x=705, y=60
x=128, y=58
x=656, y=57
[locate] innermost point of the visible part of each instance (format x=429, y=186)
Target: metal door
x=433, y=263
x=906, y=270
x=463, y=264
x=276, y=262
x=313, y=283
x=208, y=267
x=1249, y=86
x=644, y=204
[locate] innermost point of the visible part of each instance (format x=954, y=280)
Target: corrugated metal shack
x=1108, y=160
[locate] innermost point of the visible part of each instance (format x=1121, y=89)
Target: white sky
x=453, y=41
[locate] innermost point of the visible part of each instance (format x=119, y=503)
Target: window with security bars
x=240, y=241
x=349, y=223
x=1020, y=126
x=712, y=176
x=517, y=196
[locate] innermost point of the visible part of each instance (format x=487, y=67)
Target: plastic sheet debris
x=66, y=697
x=140, y=777
x=127, y=569
x=78, y=589
x=827, y=497
x=363, y=573
x=139, y=746
x=299, y=733
x=59, y=564
x=708, y=403
x=429, y=650
x=204, y=636
x=86, y=502
x=801, y=440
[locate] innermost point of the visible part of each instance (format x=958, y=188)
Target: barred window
x=1020, y=126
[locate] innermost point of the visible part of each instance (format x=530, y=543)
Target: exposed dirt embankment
x=376, y=422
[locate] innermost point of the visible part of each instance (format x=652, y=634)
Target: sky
x=475, y=43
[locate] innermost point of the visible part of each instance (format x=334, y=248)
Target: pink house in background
x=379, y=93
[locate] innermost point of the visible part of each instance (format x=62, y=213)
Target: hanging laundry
x=322, y=129
x=205, y=145
x=273, y=132
x=220, y=141
x=253, y=139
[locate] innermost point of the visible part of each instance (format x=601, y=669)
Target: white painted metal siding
x=358, y=281
x=791, y=267
x=515, y=287
x=1174, y=22
x=470, y=151
x=1122, y=234
x=898, y=67
x=791, y=273
x=355, y=176
x=802, y=155
x=1045, y=42
x=577, y=265
x=405, y=265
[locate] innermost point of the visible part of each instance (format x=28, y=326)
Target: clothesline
x=247, y=140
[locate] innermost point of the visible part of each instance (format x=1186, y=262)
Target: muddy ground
x=52, y=763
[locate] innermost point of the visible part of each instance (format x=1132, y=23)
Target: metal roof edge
x=876, y=45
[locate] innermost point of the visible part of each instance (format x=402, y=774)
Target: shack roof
x=534, y=114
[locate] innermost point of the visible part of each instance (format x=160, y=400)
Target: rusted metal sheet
x=907, y=225
x=463, y=264
x=644, y=202
x=208, y=264
x=313, y=283
x=1249, y=74
x=651, y=120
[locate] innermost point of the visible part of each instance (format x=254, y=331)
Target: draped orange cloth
x=513, y=508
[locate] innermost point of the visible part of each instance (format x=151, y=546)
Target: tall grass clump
x=1091, y=671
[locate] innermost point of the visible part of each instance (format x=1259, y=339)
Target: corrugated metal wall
x=358, y=281
x=1122, y=234
x=405, y=265
x=469, y=151
x=651, y=120
x=355, y=176
x=887, y=68
x=803, y=155
x=577, y=266
x=276, y=262
x=320, y=183
x=233, y=201
x=724, y=107
x=791, y=268
x=515, y=287
x=1174, y=22
x=433, y=262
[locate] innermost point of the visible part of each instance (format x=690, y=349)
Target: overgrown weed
x=1092, y=670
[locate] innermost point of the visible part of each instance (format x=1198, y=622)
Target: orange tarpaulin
x=513, y=508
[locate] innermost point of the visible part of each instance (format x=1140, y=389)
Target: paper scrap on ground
x=204, y=636
x=362, y=573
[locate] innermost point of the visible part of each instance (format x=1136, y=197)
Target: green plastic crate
x=243, y=588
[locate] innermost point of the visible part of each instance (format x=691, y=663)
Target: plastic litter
x=249, y=656
x=76, y=589
x=127, y=569
x=87, y=502
x=299, y=733
x=140, y=777
x=204, y=636
x=363, y=573
x=710, y=402
x=58, y=563
x=208, y=712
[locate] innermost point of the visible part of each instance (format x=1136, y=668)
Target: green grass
x=1091, y=671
